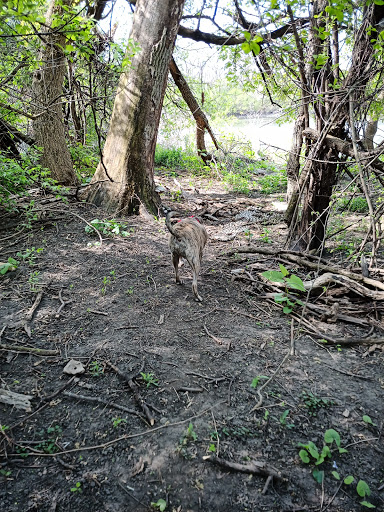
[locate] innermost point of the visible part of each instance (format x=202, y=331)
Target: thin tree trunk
x=47, y=88
x=202, y=123
x=124, y=177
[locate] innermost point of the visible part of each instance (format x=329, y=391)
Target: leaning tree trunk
x=124, y=177
x=47, y=87
x=202, y=123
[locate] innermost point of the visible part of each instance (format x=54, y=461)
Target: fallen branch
x=135, y=390
x=253, y=468
x=346, y=148
x=95, y=399
x=37, y=351
x=25, y=323
x=331, y=340
x=63, y=303
x=118, y=439
x=295, y=258
x=328, y=278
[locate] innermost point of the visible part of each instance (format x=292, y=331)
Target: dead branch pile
x=337, y=305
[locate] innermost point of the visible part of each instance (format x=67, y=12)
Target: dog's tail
x=169, y=225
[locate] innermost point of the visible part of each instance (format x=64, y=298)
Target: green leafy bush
x=16, y=177
x=273, y=183
x=356, y=204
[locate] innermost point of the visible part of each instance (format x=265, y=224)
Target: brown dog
x=187, y=240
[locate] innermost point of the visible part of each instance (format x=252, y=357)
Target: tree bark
x=124, y=177
x=319, y=173
x=202, y=123
x=47, y=89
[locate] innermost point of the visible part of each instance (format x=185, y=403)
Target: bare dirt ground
x=188, y=368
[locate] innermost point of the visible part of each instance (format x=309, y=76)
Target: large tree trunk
x=202, y=123
x=47, y=89
x=124, y=177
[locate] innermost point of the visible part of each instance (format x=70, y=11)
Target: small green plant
x=5, y=472
x=291, y=282
x=238, y=182
x=283, y=420
x=30, y=255
x=77, y=487
x=248, y=235
x=265, y=236
x=159, y=504
x=9, y=266
x=95, y=369
x=109, y=227
x=314, y=403
x=189, y=437
x=129, y=291
x=118, y=421
x=367, y=420
x=107, y=281
x=256, y=380
x=177, y=195
x=363, y=491
x=51, y=434
x=149, y=379
x=33, y=281
x=309, y=452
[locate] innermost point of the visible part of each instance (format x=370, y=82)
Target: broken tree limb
x=135, y=390
x=330, y=277
x=346, y=148
x=31, y=350
x=331, y=340
x=202, y=123
x=253, y=468
x=17, y=400
x=295, y=258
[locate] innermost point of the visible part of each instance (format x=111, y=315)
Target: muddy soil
x=188, y=370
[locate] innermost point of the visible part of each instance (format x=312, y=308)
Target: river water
x=264, y=133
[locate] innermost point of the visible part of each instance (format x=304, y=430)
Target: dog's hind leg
x=175, y=261
x=195, y=271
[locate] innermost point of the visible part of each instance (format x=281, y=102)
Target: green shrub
x=356, y=204
x=85, y=160
x=165, y=157
x=273, y=183
x=17, y=177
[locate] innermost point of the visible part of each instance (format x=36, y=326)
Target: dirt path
x=192, y=364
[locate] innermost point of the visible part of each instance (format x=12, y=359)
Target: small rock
x=74, y=368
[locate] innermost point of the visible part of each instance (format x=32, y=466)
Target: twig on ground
x=135, y=390
x=107, y=403
x=258, y=390
x=121, y=438
x=254, y=468
x=30, y=350
x=293, y=349
x=95, y=312
x=81, y=218
x=63, y=303
x=217, y=340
